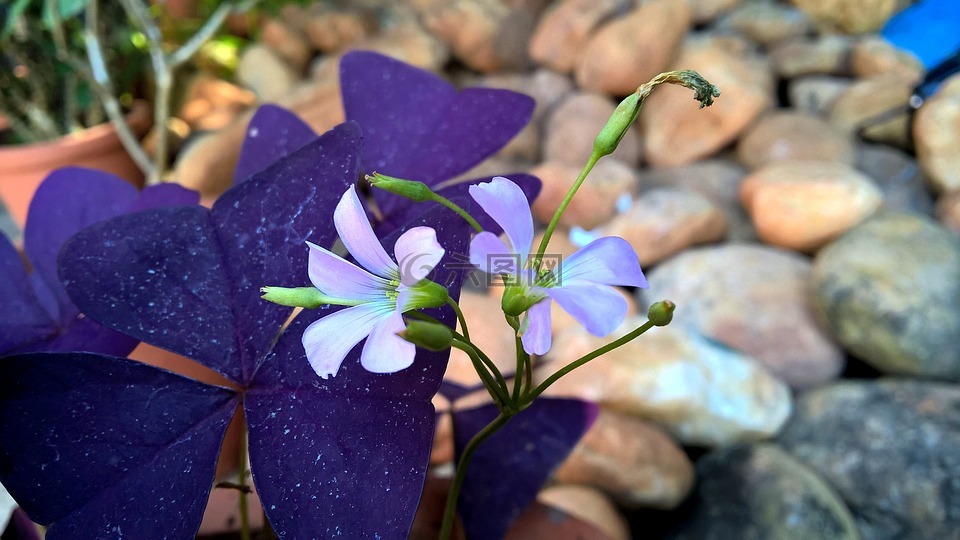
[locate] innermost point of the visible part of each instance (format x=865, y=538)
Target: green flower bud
x=306, y=297
x=618, y=124
x=428, y=335
x=410, y=189
x=661, y=313
x=516, y=300
x=427, y=294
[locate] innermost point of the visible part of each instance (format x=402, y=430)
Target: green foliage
x=46, y=89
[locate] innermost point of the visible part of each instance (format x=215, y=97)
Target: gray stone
x=754, y=299
x=891, y=449
x=762, y=492
x=816, y=93
x=898, y=176
x=889, y=291
x=700, y=391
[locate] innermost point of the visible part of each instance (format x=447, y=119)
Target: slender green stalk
x=456, y=208
x=244, y=511
x=555, y=220
x=450, y=510
x=584, y=359
x=483, y=357
x=522, y=358
x=497, y=388
x=487, y=362
x=463, y=321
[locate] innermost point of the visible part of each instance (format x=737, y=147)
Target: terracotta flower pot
x=23, y=167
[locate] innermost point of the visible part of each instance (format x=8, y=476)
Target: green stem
x=450, y=510
x=555, y=220
x=463, y=321
x=456, y=208
x=522, y=358
x=244, y=511
x=498, y=388
x=584, y=359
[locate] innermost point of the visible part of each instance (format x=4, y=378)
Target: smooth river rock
x=700, y=391
x=760, y=491
x=891, y=449
x=754, y=299
x=889, y=291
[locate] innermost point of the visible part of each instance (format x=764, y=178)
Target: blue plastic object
x=930, y=29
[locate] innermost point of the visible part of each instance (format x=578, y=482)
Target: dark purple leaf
x=164, y=195
x=273, y=133
x=188, y=279
x=328, y=467
x=353, y=449
x=83, y=334
x=22, y=319
x=157, y=276
x=418, y=127
x=66, y=201
x=510, y=467
x=89, y=459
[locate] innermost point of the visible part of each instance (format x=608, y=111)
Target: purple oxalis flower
x=378, y=294
x=415, y=126
x=580, y=284
x=36, y=314
x=98, y=446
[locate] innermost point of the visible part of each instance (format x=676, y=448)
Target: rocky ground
x=808, y=386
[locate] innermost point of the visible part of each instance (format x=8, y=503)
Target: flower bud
x=410, y=189
x=618, y=124
x=428, y=294
x=306, y=297
x=428, y=335
x=515, y=300
x=661, y=313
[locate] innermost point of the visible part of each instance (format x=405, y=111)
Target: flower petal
x=357, y=235
x=491, y=255
x=537, y=337
x=418, y=252
x=328, y=341
x=385, y=351
x=337, y=277
x=599, y=308
x=506, y=203
x=608, y=261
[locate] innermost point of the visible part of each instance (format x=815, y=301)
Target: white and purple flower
x=378, y=292
x=581, y=283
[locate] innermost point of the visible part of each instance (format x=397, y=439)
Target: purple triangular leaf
x=84, y=335
x=327, y=467
x=418, y=127
x=263, y=224
x=22, y=318
x=187, y=279
x=129, y=452
x=396, y=105
x=510, y=467
x=273, y=133
x=68, y=200
x=347, y=455
x=158, y=276
x=162, y=196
